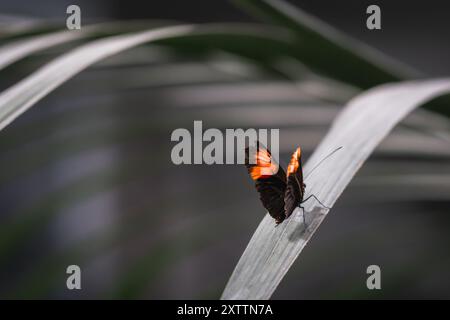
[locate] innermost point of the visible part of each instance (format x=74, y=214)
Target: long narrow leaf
x=246, y=39
x=19, y=49
x=20, y=97
x=360, y=127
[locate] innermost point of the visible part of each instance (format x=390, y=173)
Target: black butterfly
x=280, y=192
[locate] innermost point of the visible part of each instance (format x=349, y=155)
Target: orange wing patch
x=264, y=166
x=294, y=164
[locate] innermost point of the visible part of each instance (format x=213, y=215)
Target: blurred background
x=86, y=176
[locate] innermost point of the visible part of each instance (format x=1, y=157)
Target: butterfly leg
x=313, y=196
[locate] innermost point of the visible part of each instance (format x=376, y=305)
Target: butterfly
x=280, y=192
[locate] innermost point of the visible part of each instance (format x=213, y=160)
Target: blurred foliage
x=87, y=179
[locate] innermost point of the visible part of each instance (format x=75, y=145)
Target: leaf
x=24, y=46
x=12, y=26
x=327, y=49
x=18, y=49
x=359, y=128
x=27, y=92
x=23, y=95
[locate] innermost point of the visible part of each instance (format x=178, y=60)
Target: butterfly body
x=280, y=192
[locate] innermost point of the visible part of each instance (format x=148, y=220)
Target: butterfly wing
x=270, y=180
x=295, y=188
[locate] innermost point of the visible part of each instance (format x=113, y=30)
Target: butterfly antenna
x=321, y=161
